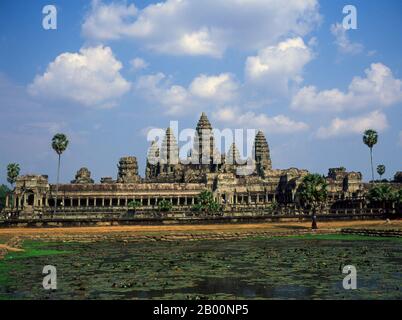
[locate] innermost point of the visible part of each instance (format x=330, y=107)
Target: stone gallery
x=238, y=185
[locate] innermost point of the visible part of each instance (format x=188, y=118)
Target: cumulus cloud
x=109, y=21
x=343, y=42
x=91, y=78
x=279, y=64
x=203, y=91
x=222, y=87
x=138, y=64
x=276, y=124
x=379, y=88
x=192, y=27
x=355, y=125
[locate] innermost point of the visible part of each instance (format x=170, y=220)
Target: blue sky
x=114, y=69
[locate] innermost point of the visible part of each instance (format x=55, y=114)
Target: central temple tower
x=204, y=152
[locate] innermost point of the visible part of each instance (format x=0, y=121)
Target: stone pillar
x=192, y=200
x=185, y=200
x=103, y=201
x=7, y=200
x=87, y=202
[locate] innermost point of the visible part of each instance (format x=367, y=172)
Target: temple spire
x=261, y=153
x=233, y=155
x=203, y=123
x=169, y=153
x=204, y=151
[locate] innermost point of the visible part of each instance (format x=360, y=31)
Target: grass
x=32, y=249
x=342, y=237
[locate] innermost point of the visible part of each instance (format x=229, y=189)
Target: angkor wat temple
x=240, y=186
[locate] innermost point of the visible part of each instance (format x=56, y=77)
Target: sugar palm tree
x=380, y=170
x=59, y=144
x=13, y=171
x=370, y=138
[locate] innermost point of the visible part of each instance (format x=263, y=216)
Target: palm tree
x=380, y=170
x=206, y=203
x=13, y=171
x=370, y=138
x=59, y=144
x=382, y=194
x=312, y=192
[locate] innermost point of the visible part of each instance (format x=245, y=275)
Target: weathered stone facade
x=236, y=183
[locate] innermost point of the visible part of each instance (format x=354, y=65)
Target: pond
x=301, y=267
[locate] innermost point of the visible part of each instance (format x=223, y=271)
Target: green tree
x=380, y=170
x=312, y=192
x=13, y=171
x=383, y=194
x=165, y=205
x=206, y=203
x=134, y=205
x=59, y=145
x=370, y=139
x=4, y=191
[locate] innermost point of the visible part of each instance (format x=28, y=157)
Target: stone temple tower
x=262, y=156
x=169, y=153
x=128, y=170
x=152, y=167
x=204, y=145
x=233, y=155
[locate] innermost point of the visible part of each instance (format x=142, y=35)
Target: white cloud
x=278, y=65
x=48, y=127
x=203, y=91
x=109, y=22
x=378, y=89
x=208, y=27
x=221, y=88
x=276, y=124
x=355, y=125
x=343, y=42
x=91, y=78
x=138, y=64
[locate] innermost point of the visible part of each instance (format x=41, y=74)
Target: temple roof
x=203, y=123
x=233, y=155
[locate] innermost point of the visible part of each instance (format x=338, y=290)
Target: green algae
x=302, y=267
